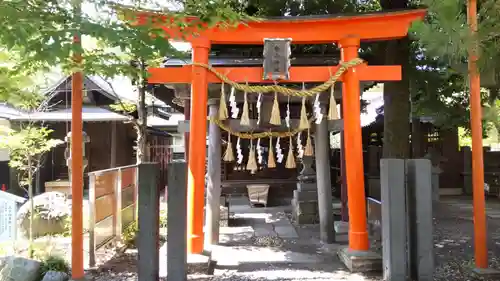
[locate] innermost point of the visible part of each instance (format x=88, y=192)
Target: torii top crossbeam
x=306, y=29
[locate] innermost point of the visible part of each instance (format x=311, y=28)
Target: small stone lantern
x=67, y=152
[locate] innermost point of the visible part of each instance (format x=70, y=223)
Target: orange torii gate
x=347, y=31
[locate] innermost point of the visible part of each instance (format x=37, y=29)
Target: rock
x=19, y=269
x=51, y=217
x=55, y=276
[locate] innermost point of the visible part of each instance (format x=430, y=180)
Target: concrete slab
x=235, y=234
x=230, y=256
x=360, y=261
x=200, y=264
x=486, y=273
x=264, y=230
x=287, y=232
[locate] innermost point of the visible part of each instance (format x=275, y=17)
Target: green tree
x=446, y=37
x=43, y=32
x=27, y=147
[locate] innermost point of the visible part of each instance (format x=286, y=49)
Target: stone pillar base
x=487, y=273
x=360, y=261
x=305, y=207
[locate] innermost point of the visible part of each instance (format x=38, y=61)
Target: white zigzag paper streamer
x=232, y=103
x=238, y=151
x=317, y=110
x=259, y=152
x=300, y=148
x=279, y=152
x=287, y=118
x=259, y=103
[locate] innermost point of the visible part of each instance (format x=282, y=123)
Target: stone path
x=265, y=245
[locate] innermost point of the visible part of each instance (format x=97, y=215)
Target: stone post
x=435, y=160
x=393, y=197
x=373, y=177
x=176, y=231
x=325, y=208
x=148, y=217
x=467, y=169
x=305, y=197
x=419, y=198
x=212, y=209
x=343, y=179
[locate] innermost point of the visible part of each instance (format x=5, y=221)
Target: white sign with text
x=9, y=204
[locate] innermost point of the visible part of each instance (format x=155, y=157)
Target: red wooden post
x=197, y=148
x=358, y=235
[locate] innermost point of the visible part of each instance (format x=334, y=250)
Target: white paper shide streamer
x=259, y=104
x=300, y=148
x=259, y=152
x=279, y=152
x=232, y=103
x=238, y=152
x=287, y=118
x=318, y=115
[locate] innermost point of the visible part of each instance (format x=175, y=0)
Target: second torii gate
x=348, y=32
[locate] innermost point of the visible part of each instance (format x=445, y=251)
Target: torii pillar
x=358, y=234
x=197, y=147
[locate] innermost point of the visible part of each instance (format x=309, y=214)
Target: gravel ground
x=453, y=243
x=453, y=253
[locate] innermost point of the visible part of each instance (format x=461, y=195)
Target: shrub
x=53, y=263
x=131, y=232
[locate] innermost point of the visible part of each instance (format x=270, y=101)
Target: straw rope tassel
x=303, y=123
x=252, y=163
x=332, y=111
x=245, y=119
x=271, y=163
x=309, y=151
x=229, y=154
x=223, y=114
x=275, y=112
x=290, y=159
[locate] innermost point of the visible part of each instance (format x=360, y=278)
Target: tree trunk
x=397, y=94
x=397, y=103
x=141, y=127
x=32, y=207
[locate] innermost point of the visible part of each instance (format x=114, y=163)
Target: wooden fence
x=112, y=205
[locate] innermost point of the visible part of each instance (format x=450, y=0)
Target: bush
x=53, y=263
x=131, y=232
